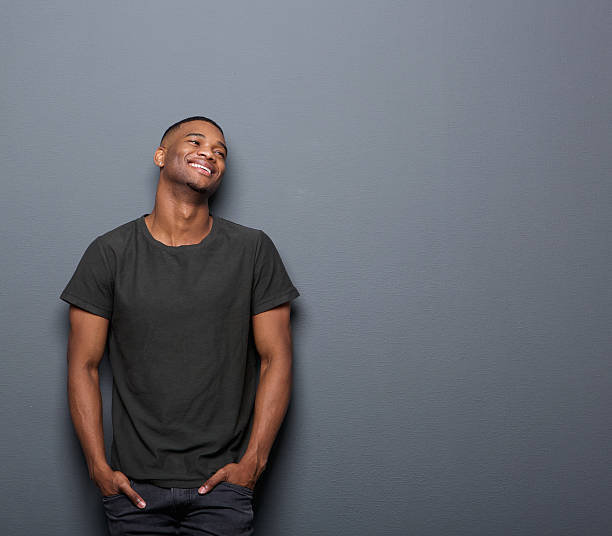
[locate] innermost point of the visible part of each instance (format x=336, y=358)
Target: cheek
x=181, y=160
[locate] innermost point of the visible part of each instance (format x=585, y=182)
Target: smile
x=201, y=168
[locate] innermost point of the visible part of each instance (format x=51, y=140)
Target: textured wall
x=436, y=176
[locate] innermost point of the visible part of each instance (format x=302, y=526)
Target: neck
x=179, y=223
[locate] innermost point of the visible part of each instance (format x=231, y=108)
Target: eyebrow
x=202, y=135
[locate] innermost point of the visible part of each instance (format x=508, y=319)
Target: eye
x=220, y=154
x=195, y=141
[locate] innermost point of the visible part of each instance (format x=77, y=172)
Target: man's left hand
x=242, y=473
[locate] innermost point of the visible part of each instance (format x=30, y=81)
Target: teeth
x=193, y=164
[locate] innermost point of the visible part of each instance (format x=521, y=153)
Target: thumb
x=211, y=483
x=134, y=497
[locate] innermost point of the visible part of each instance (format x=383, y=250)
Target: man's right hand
x=114, y=482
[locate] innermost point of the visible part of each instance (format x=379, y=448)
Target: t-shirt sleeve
x=271, y=283
x=91, y=286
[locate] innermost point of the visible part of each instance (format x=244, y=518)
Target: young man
x=196, y=311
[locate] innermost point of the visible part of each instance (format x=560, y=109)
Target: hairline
x=178, y=124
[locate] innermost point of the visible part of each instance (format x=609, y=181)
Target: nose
x=205, y=151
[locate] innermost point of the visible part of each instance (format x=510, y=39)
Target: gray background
x=436, y=176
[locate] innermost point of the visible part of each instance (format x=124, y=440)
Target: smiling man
x=196, y=312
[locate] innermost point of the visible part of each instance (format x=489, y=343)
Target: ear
x=159, y=156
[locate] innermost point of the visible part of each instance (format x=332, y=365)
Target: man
x=192, y=305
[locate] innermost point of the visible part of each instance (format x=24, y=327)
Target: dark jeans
x=226, y=510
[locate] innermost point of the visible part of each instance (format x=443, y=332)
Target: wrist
x=98, y=469
x=256, y=463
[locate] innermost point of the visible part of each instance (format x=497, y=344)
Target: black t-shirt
x=180, y=344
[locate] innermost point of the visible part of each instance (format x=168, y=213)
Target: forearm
x=271, y=402
x=85, y=402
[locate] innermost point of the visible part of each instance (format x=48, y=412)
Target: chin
x=197, y=188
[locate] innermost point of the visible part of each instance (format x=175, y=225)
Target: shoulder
x=239, y=232
x=263, y=248
x=114, y=241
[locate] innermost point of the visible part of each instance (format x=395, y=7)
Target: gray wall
x=436, y=176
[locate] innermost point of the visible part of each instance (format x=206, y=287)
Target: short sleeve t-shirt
x=180, y=344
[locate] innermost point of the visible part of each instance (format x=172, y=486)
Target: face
x=193, y=155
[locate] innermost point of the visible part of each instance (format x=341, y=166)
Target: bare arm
x=272, y=335
x=86, y=343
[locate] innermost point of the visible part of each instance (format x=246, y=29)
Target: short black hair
x=186, y=120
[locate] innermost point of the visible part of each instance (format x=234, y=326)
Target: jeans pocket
x=111, y=497
x=237, y=487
